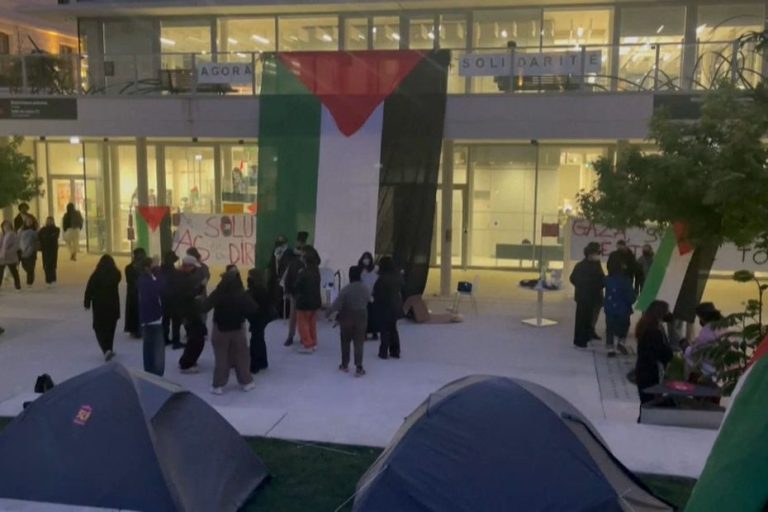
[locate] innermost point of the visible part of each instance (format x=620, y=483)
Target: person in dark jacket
x=295, y=265
x=189, y=296
x=653, y=350
x=282, y=255
x=388, y=307
x=369, y=273
x=49, y=246
x=132, y=273
x=29, y=244
x=102, y=297
x=259, y=320
x=72, y=224
x=624, y=258
x=308, y=300
x=588, y=278
x=619, y=298
x=151, y=317
x=19, y=222
x=171, y=317
x=644, y=263
x=231, y=306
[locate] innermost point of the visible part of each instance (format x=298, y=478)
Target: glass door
x=65, y=190
x=459, y=227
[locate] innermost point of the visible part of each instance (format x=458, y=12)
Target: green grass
x=320, y=477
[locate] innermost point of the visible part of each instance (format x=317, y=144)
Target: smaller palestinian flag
x=678, y=274
x=148, y=220
x=734, y=475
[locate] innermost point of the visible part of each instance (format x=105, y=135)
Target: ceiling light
x=431, y=35
x=167, y=42
x=231, y=40
x=198, y=157
x=374, y=30
x=260, y=39
x=701, y=28
x=327, y=38
x=579, y=31
x=74, y=140
x=396, y=36
x=504, y=33
x=658, y=30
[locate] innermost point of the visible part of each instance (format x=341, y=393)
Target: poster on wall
x=729, y=258
x=221, y=239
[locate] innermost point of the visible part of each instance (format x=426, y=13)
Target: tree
x=709, y=174
x=17, y=175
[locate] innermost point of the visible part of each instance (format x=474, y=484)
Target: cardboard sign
x=729, y=258
x=221, y=239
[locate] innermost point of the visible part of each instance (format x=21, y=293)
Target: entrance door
x=65, y=190
x=459, y=227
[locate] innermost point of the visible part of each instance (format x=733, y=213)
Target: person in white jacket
x=9, y=253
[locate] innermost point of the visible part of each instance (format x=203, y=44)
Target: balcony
x=667, y=67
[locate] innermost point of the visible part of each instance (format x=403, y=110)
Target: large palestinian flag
x=349, y=150
x=678, y=274
x=734, y=475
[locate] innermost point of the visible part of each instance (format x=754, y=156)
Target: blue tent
x=111, y=438
x=499, y=444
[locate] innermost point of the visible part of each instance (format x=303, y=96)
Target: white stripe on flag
x=673, y=277
x=347, y=191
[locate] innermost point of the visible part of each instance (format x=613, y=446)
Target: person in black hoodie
x=589, y=279
x=653, y=350
x=308, y=300
x=259, y=320
x=103, y=298
x=189, y=295
x=388, y=307
x=171, y=317
x=132, y=272
x=231, y=306
x=623, y=258
x=49, y=246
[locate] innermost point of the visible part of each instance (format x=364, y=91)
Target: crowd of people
x=164, y=296
x=616, y=294
x=22, y=240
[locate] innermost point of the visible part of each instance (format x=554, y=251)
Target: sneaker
x=622, y=348
x=217, y=391
x=343, y=369
x=108, y=355
x=249, y=387
x=288, y=342
x=190, y=370
x=359, y=372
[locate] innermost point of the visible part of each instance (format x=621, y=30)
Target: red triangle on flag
x=351, y=85
x=153, y=215
x=681, y=235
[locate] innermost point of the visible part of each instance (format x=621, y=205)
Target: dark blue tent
x=496, y=444
x=116, y=439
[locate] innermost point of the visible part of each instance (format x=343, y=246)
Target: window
x=356, y=34
x=717, y=27
x=5, y=44
x=247, y=35
x=240, y=172
x=179, y=39
x=189, y=178
x=317, y=33
x=643, y=31
x=452, y=34
x=66, y=50
x=421, y=33
x=386, y=33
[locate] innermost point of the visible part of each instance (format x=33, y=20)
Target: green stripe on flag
x=142, y=234
x=658, y=270
x=289, y=145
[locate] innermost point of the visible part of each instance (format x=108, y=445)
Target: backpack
x=43, y=383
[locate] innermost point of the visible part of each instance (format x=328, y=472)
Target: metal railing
x=625, y=67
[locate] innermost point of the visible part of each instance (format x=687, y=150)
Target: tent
x=499, y=444
x=113, y=438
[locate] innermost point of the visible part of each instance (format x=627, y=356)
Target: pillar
x=446, y=236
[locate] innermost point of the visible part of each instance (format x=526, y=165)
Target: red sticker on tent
x=153, y=215
x=83, y=415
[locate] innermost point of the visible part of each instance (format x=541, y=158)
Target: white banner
x=225, y=73
x=729, y=258
x=221, y=239
x=530, y=64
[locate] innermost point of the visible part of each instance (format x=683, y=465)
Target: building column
x=690, y=47
x=142, y=192
x=166, y=240
x=446, y=237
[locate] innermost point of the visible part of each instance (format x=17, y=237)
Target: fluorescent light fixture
x=579, y=31
x=80, y=160
x=658, y=30
x=327, y=38
x=167, y=42
x=396, y=36
x=198, y=157
x=701, y=28
x=374, y=30
x=504, y=33
x=260, y=39
x=231, y=40
x=74, y=140
x=431, y=35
